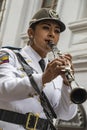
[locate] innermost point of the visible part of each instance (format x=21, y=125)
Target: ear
x=30, y=32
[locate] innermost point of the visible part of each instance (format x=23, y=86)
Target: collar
x=32, y=53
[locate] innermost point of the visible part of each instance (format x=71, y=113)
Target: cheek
x=56, y=39
x=39, y=36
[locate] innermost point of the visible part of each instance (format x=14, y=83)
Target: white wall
x=16, y=19
x=74, y=39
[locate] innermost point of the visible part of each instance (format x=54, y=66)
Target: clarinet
x=78, y=94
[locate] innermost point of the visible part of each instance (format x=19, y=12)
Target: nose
x=51, y=33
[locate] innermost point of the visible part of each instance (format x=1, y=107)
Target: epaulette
x=12, y=48
x=4, y=56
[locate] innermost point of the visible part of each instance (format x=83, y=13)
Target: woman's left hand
x=68, y=63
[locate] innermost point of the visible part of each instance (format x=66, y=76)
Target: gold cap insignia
x=53, y=14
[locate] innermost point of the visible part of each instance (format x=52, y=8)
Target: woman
x=17, y=94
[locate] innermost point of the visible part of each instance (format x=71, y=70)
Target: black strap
x=21, y=119
x=50, y=114
x=12, y=117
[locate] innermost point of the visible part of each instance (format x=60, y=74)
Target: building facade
x=14, y=20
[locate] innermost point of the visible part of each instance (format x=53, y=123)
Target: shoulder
x=10, y=49
x=7, y=55
x=6, y=51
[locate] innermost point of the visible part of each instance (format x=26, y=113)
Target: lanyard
x=49, y=112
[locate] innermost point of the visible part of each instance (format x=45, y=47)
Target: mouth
x=47, y=44
x=50, y=43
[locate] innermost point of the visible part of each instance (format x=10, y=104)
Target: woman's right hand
x=54, y=68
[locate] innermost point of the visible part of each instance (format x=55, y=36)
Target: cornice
x=78, y=25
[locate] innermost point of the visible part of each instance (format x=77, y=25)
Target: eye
x=46, y=27
x=57, y=30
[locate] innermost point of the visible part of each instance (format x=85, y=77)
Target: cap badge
x=53, y=14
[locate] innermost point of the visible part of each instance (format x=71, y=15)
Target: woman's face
x=44, y=32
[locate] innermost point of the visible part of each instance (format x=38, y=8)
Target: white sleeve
x=59, y=98
x=12, y=85
x=66, y=110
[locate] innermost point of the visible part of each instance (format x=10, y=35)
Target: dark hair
x=33, y=26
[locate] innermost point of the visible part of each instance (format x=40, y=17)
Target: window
x=2, y=9
x=49, y=4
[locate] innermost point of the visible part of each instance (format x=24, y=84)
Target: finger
x=58, y=61
x=59, y=69
x=68, y=57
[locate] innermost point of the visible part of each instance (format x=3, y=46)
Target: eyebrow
x=44, y=22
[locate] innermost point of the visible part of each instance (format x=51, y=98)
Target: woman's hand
x=56, y=67
x=69, y=64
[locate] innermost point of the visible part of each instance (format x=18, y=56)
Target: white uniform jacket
x=17, y=94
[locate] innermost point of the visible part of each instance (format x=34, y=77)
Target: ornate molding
x=78, y=41
x=77, y=123
x=78, y=25
x=78, y=34
x=24, y=39
x=24, y=36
